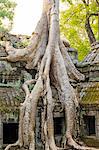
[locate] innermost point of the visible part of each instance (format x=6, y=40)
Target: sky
x=27, y=14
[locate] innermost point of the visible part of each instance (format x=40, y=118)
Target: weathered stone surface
x=10, y=98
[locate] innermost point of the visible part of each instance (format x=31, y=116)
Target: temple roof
x=10, y=98
x=91, y=95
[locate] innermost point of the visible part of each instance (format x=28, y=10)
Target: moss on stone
x=91, y=141
x=91, y=95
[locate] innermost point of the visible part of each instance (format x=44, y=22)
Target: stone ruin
x=13, y=75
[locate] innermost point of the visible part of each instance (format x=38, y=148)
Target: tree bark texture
x=48, y=54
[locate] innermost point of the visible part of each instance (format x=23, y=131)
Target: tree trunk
x=88, y=28
x=89, y=31
x=93, y=56
x=48, y=53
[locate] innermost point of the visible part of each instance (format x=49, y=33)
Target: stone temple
x=13, y=75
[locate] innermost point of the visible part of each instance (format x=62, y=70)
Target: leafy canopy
x=72, y=24
x=6, y=14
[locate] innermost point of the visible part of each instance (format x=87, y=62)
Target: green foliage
x=72, y=25
x=6, y=14
x=21, y=44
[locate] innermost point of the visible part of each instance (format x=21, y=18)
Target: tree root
x=12, y=145
x=76, y=146
x=47, y=49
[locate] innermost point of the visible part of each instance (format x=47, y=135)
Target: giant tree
x=48, y=54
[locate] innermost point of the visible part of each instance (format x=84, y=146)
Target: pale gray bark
x=46, y=52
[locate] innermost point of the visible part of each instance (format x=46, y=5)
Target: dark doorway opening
x=58, y=125
x=89, y=125
x=10, y=133
x=59, y=130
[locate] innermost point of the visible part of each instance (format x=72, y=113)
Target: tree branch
x=93, y=14
x=85, y=2
x=97, y=2
x=89, y=30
